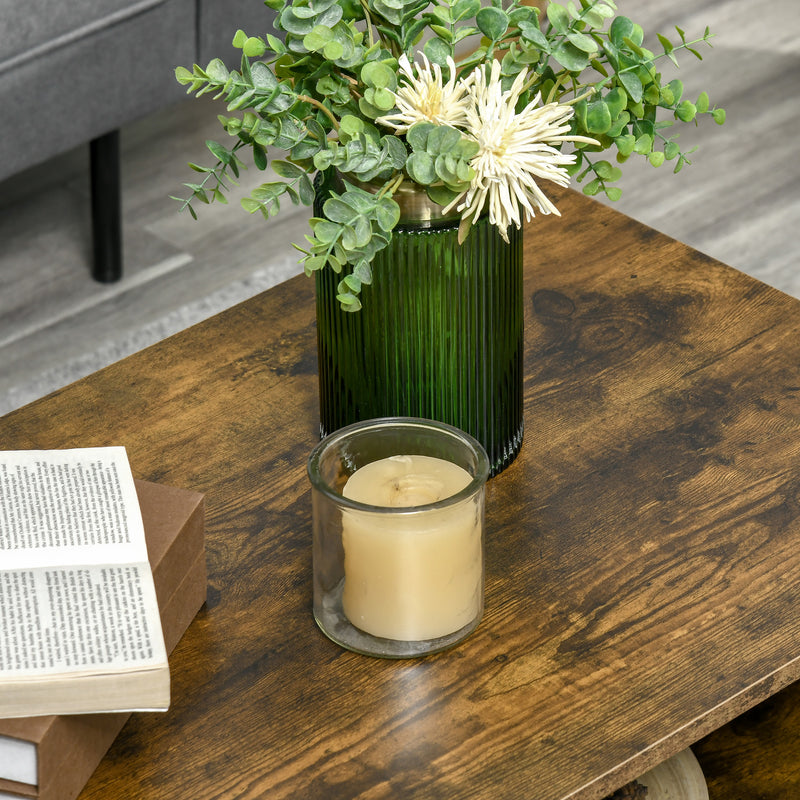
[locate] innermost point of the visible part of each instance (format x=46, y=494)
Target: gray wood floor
x=738, y=202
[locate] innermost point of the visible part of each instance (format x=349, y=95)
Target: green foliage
x=357, y=224
x=316, y=90
x=440, y=160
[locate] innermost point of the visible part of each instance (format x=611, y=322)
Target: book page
x=76, y=620
x=18, y=762
x=68, y=506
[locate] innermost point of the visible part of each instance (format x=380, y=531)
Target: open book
x=79, y=622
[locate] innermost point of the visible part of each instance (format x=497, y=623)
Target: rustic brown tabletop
x=643, y=551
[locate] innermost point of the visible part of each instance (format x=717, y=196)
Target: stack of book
x=58, y=717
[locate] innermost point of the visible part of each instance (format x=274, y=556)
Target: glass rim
x=477, y=482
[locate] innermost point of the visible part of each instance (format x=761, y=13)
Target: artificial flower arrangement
x=475, y=103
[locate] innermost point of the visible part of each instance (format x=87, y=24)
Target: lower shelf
x=756, y=755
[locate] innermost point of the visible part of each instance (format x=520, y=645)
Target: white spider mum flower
x=424, y=96
x=515, y=151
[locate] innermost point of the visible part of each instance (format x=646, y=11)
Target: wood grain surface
x=642, y=553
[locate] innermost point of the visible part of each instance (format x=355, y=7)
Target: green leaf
x=239, y=38
x=417, y=136
x=617, y=101
x=632, y=84
x=217, y=71
x=656, y=158
x=351, y=125
x=378, y=75
x=363, y=232
x=464, y=9
x=349, y=302
x=644, y=144
x=313, y=263
x=317, y=38
x=598, y=117
x=571, y=57
x=250, y=205
x=324, y=230
x=442, y=139
x=621, y=29
x=619, y=125
x=583, y=42
x=652, y=95
x=183, y=76
x=671, y=150
x=492, y=22
x=666, y=97
x=532, y=34
x=592, y=188
x=387, y=214
x=363, y=271
x=676, y=87
x=592, y=18
x=606, y=171
x=719, y=116
x=559, y=18
x=383, y=99
x=613, y=192
x=306, y=190
x=254, y=47
x=349, y=239
x=286, y=169
x=634, y=46
x=337, y=210
x=686, y=111
x=702, y=103
x=220, y=152
x=262, y=76
x=443, y=33
x=395, y=150
x=259, y=157
x=276, y=44
x=420, y=167
x=665, y=43
x=443, y=14
x=438, y=51
x=441, y=195
x=333, y=50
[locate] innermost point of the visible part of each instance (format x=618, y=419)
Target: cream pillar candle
x=418, y=575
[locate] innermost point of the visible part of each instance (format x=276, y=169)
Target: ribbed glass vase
x=439, y=335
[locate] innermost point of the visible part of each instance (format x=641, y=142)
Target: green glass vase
x=439, y=334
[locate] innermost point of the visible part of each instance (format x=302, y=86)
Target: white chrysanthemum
x=424, y=96
x=516, y=149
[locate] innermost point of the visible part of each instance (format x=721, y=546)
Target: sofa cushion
x=32, y=28
x=94, y=84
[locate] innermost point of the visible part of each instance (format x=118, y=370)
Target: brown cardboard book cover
x=69, y=747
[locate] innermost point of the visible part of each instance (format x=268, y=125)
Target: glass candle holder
x=398, y=510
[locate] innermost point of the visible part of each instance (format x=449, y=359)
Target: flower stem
x=328, y=113
x=392, y=186
x=368, y=20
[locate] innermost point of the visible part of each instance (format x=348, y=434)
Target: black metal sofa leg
x=106, y=207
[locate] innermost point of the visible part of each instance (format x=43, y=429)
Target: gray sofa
x=66, y=80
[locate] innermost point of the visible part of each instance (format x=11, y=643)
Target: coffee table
x=643, y=551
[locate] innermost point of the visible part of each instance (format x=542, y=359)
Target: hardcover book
x=79, y=622
x=52, y=757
